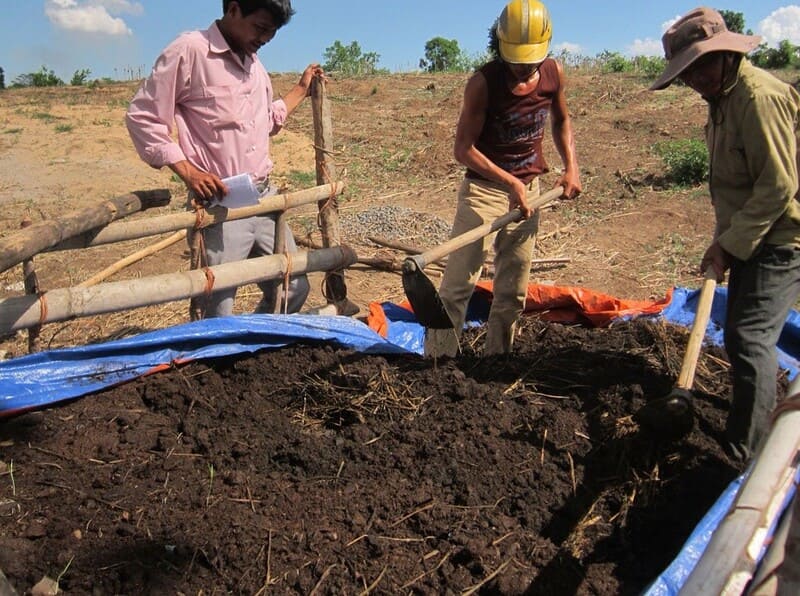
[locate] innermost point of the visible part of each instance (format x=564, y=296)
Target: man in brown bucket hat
x=751, y=133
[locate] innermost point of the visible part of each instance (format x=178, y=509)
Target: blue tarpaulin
x=46, y=378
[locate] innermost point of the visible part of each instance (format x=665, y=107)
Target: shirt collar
x=218, y=45
x=216, y=41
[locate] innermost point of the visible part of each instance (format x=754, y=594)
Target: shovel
x=673, y=415
x=419, y=289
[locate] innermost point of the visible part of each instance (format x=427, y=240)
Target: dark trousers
x=761, y=291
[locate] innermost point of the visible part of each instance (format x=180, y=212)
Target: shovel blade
x=424, y=299
x=669, y=417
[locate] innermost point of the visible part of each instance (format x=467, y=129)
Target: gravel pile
x=400, y=224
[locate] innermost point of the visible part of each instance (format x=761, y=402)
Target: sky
x=121, y=39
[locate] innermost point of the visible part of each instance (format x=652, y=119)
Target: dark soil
x=317, y=470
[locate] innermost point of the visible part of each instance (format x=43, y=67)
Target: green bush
x=614, y=62
x=650, y=66
x=686, y=161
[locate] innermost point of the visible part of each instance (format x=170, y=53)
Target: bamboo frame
x=23, y=312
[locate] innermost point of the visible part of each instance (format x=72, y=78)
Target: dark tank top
x=514, y=128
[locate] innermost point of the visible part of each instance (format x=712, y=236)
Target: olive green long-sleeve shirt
x=752, y=136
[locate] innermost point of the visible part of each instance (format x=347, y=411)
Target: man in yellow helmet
x=499, y=140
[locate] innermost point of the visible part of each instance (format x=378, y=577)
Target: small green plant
x=12, y=131
x=686, y=161
x=46, y=116
x=64, y=127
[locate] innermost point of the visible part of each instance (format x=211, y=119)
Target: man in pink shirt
x=212, y=87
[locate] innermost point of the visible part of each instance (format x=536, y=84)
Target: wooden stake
x=31, y=281
x=335, y=286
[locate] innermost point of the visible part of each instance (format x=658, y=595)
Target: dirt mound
x=317, y=470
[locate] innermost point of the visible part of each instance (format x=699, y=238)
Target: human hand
x=717, y=258
x=571, y=183
x=311, y=71
x=204, y=185
x=518, y=198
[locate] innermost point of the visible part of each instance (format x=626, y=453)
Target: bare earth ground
x=315, y=470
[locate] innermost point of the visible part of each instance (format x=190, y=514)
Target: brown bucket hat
x=698, y=32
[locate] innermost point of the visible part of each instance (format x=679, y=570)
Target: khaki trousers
x=481, y=202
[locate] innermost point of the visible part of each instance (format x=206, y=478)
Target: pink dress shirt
x=224, y=109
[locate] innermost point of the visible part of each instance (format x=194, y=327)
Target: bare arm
x=470, y=124
x=564, y=140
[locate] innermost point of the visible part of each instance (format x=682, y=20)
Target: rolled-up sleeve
x=280, y=113
x=151, y=113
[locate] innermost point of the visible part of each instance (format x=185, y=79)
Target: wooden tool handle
x=437, y=252
x=703, y=314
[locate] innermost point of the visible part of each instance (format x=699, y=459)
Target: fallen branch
x=132, y=258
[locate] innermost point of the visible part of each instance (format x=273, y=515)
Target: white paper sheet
x=241, y=192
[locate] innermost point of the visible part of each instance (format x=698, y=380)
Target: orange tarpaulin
x=564, y=304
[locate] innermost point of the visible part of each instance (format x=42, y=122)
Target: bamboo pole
x=132, y=258
x=728, y=562
x=45, y=235
x=122, y=231
x=22, y=312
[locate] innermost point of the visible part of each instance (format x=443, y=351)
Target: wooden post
x=280, y=286
x=36, y=238
x=335, y=287
x=31, y=281
x=197, y=260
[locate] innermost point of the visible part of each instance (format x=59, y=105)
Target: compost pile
x=318, y=470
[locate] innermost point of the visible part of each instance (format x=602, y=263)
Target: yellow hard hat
x=524, y=31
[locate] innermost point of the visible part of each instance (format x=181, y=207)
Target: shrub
x=650, y=66
x=686, y=161
x=614, y=62
x=80, y=77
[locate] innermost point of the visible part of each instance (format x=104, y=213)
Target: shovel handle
x=434, y=254
x=702, y=315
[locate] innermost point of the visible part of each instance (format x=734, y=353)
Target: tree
x=2, y=78
x=350, y=60
x=43, y=78
x=785, y=55
x=734, y=21
x=442, y=55
x=80, y=77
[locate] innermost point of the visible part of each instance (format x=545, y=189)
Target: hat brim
x=726, y=41
x=523, y=53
